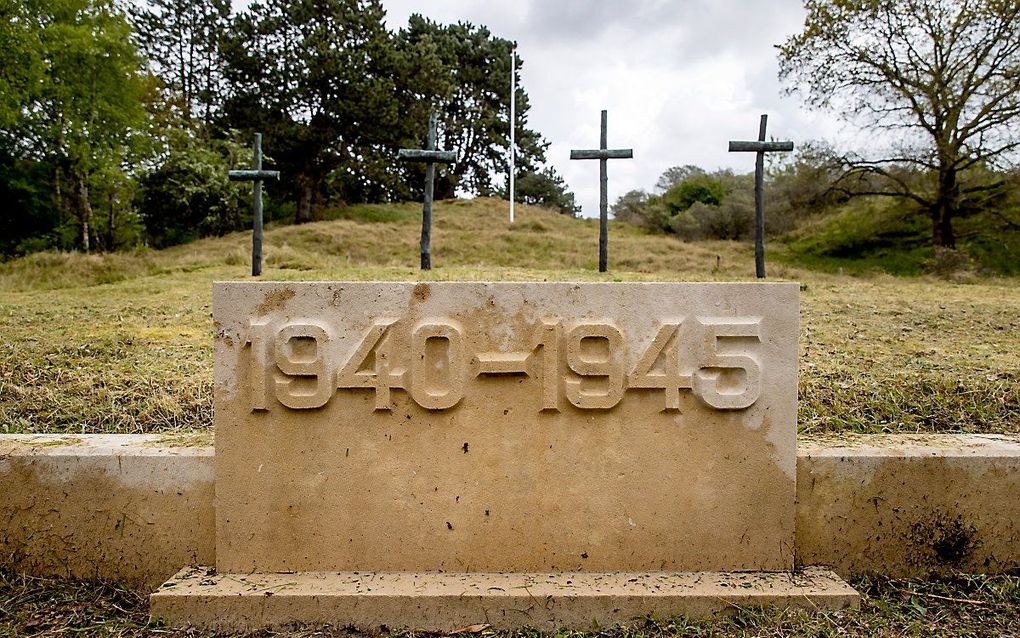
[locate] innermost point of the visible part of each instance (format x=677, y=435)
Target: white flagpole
x=513, y=122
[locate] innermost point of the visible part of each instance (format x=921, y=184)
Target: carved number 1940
x=292, y=361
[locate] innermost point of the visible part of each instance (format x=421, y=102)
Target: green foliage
x=29, y=214
x=884, y=235
x=733, y=219
x=676, y=174
x=323, y=81
x=696, y=205
x=116, y=221
x=84, y=103
x=22, y=59
x=941, y=75
x=333, y=91
x=696, y=188
x=181, y=40
x=470, y=87
x=633, y=207
x=189, y=195
x=545, y=188
x=862, y=236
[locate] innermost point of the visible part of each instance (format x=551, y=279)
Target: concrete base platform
x=445, y=602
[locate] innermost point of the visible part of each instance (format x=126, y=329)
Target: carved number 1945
x=292, y=361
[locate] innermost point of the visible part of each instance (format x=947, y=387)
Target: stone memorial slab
x=505, y=427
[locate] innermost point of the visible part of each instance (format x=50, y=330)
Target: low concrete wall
x=117, y=507
x=910, y=505
x=133, y=509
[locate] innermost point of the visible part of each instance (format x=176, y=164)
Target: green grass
x=122, y=342
x=953, y=607
x=883, y=235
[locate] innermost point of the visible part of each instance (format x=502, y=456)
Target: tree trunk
x=84, y=209
x=947, y=203
x=304, y=207
x=111, y=222
x=446, y=187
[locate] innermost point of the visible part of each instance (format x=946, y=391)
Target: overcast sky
x=679, y=78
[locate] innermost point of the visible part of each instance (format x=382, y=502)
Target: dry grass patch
x=122, y=343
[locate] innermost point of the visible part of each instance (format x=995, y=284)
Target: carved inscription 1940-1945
x=444, y=426
x=289, y=363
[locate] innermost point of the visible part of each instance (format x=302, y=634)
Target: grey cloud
x=589, y=20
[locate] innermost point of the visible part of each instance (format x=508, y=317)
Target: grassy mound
x=122, y=342
x=888, y=236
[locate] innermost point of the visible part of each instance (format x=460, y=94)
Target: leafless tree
x=938, y=79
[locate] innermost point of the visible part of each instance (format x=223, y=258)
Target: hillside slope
x=471, y=237
x=122, y=342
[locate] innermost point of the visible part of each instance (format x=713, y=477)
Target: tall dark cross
x=760, y=147
x=256, y=176
x=603, y=154
x=431, y=156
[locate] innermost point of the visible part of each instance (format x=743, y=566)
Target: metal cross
x=431, y=156
x=255, y=176
x=760, y=147
x=602, y=154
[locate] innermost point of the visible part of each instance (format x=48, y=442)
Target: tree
x=630, y=207
x=697, y=188
x=676, y=174
x=29, y=214
x=181, y=40
x=189, y=194
x=84, y=103
x=939, y=76
x=471, y=90
x=21, y=58
x=801, y=185
x=322, y=80
x=545, y=188
x=641, y=209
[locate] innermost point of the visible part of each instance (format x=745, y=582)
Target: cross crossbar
x=600, y=154
x=430, y=156
x=425, y=155
x=256, y=176
x=760, y=147
x=252, y=176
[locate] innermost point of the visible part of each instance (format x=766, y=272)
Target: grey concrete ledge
x=136, y=508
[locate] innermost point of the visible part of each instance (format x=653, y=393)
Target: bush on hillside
x=704, y=189
x=545, y=188
x=190, y=196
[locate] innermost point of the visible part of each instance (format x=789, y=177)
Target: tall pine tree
x=472, y=92
x=319, y=77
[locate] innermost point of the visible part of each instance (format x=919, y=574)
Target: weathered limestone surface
x=910, y=505
x=58, y=533
x=446, y=602
x=118, y=507
x=505, y=427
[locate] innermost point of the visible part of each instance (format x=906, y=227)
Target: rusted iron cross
x=603, y=154
x=256, y=176
x=760, y=147
x=431, y=156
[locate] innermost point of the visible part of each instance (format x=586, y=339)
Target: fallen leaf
x=470, y=629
